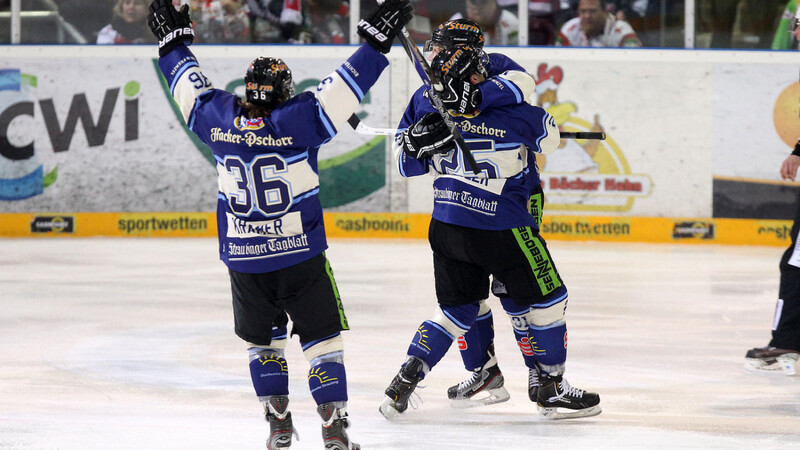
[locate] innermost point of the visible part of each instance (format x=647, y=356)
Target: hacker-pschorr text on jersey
x=249, y=138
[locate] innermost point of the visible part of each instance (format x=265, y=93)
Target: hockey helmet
x=456, y=32
x=459, y=63
x=268, y=81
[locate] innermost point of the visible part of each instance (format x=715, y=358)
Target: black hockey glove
x=382, y=26
x=460, y=96
x=170, y=26
x=427, y=137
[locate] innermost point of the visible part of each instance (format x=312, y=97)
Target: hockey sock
x=474, y=344
x=328, y=382
x=518, y=315
x=269, y=372
x=549, y=344
x=430, y=343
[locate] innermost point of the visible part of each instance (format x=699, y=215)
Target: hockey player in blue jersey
x=269, y=217
x=481, y=226
x=512, y=85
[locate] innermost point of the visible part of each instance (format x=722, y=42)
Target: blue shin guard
x=269, y=372
x=328, y=382
x=430, y=343
x=434, y=337
x=475, y=343
x=549, y=344
x=520, y=326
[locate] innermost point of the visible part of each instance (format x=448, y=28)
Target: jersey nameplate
x=249, y=138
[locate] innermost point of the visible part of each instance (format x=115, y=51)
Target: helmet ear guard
x=268, y=82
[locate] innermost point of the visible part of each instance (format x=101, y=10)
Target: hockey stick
x=599, y=135
x=432, y=82
x=361, y=128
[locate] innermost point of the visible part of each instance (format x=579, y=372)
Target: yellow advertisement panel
x=407, y=226
x=171, y=224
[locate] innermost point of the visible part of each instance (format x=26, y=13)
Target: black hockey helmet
x=456, y=32
x=459, y=62
x=268, y=81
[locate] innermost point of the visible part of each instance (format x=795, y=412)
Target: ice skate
x=771, y=360
x=280, y=423
x=334, y=422
x=483, y=387
x=399, y=391
x=556, y=399
x=533, y=383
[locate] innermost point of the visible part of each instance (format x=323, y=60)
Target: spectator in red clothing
x=596, y=27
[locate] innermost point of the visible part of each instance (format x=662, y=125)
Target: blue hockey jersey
x=503, y=140
x=268, y=211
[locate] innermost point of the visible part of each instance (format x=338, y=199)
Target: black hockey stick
x=599, y=135
x=433, y=83
x=361, y=128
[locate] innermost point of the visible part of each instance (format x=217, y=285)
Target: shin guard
x=269, y=372
x=328, y=382
x=474, y=344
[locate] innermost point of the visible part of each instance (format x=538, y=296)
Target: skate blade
x=555, y=414
x=785, y=366
x=387, y=409
x=496, y=395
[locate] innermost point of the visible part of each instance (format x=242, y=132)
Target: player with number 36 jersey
x=269, y=217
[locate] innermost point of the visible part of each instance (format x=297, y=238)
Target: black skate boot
x=533, y=383
x=558, y=400
x=334, y=422
x=398, y=392
x=484, y=387
x=771, y=360
x=280, y=423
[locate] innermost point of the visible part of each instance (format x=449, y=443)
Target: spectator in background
x=128, y=24
x=220, y=21
x=752, y=20
x=500, y=26
x=644, y=16
x=275, y=21
x=596, y=27
x=780, y=356
x=545, y=17
x=326, y=21
x=788, y=34
x=87, y=16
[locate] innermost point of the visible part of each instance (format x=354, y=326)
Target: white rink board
x=676, y=119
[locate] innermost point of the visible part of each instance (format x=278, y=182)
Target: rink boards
x=407, y=226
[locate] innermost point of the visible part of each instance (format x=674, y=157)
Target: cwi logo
x=22, y=116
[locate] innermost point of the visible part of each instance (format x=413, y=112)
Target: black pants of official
x=787, y=333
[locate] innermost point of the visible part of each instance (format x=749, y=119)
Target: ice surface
x=129, y=344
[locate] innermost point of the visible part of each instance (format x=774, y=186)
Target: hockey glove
x=382, y=26
x=170, y=26
x=461, y=96
x=427, y=137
